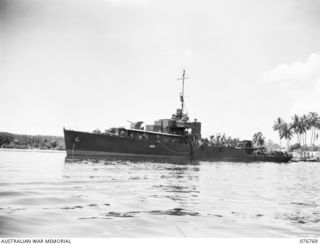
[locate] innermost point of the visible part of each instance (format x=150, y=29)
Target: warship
x=173, y=139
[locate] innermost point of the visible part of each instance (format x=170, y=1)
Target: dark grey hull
x=81, y=145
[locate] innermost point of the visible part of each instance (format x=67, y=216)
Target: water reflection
x=181, y=183
x=130, y=160
x=300, y=217
x=131, y=214
x=166, y=182
x=45, y=195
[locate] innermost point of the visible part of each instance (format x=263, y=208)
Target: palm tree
x=218, y=136
x=229, y=141
x=258, y=139
x=277, y=124
x=317, y=127
x=212, y=138
x=295, y=125
x=286, y=132
x=314, y=120
x=304, y=127
x=300, y=126
x=223, y=139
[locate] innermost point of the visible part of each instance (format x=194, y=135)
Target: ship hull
x=80, y=145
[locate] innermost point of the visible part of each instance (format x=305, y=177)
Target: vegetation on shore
x=258, y=139
x=21, y=141
x=305, y=127
x=222, y=139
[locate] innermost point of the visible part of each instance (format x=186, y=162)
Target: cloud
x=299, y=83
x=189, y=53
x=297, y=73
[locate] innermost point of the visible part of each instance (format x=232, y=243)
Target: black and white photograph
x=159, y=119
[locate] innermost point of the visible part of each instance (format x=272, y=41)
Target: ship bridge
x=179, y=123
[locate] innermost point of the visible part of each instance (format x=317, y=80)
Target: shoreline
x=64, y=152
x=33, y=150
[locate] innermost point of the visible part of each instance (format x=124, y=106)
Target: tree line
x=305, y=128
x=20, y=141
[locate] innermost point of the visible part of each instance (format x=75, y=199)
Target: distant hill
x=23, y=141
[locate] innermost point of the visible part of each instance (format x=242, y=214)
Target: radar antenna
x=182, y=92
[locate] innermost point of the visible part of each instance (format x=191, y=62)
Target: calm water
x=41, y=195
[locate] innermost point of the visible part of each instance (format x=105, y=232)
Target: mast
x=182, y=92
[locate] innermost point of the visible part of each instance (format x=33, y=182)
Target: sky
x=96, y=64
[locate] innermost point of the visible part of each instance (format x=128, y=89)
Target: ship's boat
x=174, y=139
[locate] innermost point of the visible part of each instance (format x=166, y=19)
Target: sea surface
x=41, y=195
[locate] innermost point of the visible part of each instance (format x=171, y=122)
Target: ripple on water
x=44, y=196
